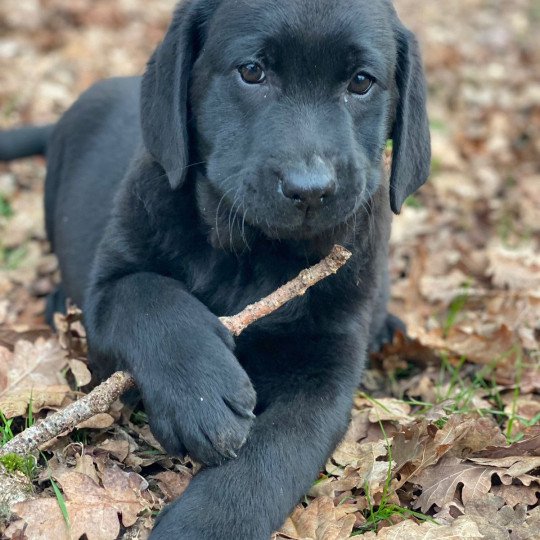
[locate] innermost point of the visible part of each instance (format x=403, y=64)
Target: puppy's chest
x=227, y=283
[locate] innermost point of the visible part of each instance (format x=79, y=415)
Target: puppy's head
x=288, y=106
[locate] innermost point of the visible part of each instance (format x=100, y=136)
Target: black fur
x=200, y=226
x=25, y=141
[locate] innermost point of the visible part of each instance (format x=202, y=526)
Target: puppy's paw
x=202, y=404
x=211, y=423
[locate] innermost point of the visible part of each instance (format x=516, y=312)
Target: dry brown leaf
x=499, y=347
x=440, y=482
x=420, y=445
x=71, y=332
x=27, y=221
x=119, y=448
x=85, y=465
x=358, y=426
x=99, y=421
x=28, y=371
x=330, y=487
x=517, y=494
x=444, y=288
x=516, y=465
x=355, y=454
x=389, y=409
x=516, y=269
x=530, y=446
x=499, y=521
x=80, y=372
x=32, y=364
x=172, y=484
x=319, y=521
x=17, y=403
x=93, y=510
x=362, y=462
x=461, y=528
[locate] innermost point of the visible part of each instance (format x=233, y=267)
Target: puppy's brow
x=370, y=59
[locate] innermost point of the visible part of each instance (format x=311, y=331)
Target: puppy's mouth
x=286, y=222
x=234, y=219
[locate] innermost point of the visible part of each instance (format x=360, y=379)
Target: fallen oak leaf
x=358, y=426
x=517, y=494
x=85, y=465
x=516, y=465
x=498, y=521
x=440, y=482
x=330, y=487
x=14, y=404
x=99, y=421
x=499, y=347
x=172, y=484
x=362, y=462
x=530, y=446
x=119, y=448
x=125, y=488
x=32, y=364
x=9, y=336
x=321, y=520
x=462, y=528
x=30, y=374
x=80, y=371
x=93, y=509
x=421, y=444
x=389, y=409
x=516, y=269
x=356, y=454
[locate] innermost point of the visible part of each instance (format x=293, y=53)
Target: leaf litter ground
x=444, y=440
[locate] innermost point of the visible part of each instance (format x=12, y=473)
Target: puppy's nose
x=309, y=187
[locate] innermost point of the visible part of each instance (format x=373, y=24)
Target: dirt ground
x=445, y=437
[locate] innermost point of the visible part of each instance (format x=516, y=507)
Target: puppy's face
x=292, y=104
x=286, y=106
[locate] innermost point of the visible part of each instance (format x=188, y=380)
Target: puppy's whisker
x=194, y=164
x=243, y=229
x=233, y=223
x=217, y=214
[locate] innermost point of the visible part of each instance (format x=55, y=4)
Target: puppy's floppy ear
x=411, y=141
x=164, y=91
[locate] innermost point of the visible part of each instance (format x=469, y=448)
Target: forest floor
x=445, y=433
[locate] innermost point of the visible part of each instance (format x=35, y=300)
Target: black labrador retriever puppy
x=253, y=144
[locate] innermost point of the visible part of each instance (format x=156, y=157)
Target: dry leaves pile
x=445, y=439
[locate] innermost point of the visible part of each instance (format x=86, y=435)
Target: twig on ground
x=103, y=396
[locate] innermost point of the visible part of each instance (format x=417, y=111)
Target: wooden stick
x=296, y=287
x=100, y=399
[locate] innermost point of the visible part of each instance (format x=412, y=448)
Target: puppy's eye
x=361, y=84
x=252, y=73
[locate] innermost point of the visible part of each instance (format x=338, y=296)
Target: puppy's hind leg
x=386, y=333
x=56, y=303
x=384, y=325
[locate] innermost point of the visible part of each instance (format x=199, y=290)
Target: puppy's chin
x=233, y=228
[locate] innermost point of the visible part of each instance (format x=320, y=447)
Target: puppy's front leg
x=309, y=394
x=197, y=395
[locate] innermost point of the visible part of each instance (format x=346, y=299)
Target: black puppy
x=253, y=145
